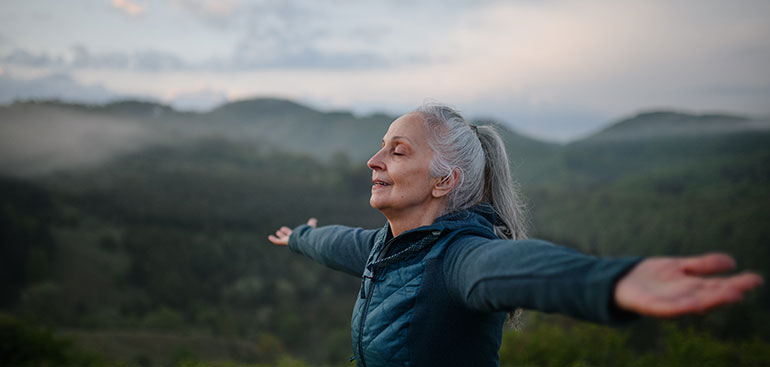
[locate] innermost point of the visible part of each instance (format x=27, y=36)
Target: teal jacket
x=438, y=295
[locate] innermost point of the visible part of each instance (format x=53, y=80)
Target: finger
x=716, y=294
x=285, y=230
x=712, y=293
x=744, y=282
x=707, y=264
x=281, y=234
x=277, y=241
x=312, y=222
x=697, y=302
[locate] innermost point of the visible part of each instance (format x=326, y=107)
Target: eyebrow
x=399, y=137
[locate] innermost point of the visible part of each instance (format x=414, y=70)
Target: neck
x=404, y=221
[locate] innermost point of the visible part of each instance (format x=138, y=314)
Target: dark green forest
x=135, y=235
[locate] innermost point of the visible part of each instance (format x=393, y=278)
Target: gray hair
x=478, y=154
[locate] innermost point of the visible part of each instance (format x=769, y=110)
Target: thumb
x=312, y=222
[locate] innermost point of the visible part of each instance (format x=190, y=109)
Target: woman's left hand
x=281, y=236
x=668, y=287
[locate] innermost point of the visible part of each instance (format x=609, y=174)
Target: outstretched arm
x=667, y=287
x=338, y=247
x=500, y=275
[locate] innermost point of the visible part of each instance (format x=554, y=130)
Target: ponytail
x=500, y=191
x=477, y=153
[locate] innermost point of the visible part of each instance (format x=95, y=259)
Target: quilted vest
x=404, y=315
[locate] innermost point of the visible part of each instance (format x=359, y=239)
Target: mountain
x=661, y=124
x=44, y=136
x=262, y=109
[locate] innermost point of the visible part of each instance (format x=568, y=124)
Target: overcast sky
x=551, y=69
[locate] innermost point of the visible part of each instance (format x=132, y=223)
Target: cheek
x=418, y=182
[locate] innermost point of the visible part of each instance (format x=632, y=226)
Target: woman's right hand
x=282, y=235
x=669, y=286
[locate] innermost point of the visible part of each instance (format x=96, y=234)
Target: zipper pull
x=363, y=284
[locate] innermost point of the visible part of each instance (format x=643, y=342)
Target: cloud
x=23, y=57
x=82, y=58
x=54, y=86
x=129, y=7
x=214, y=11
x=4, y=41
x=288, y=55
x=153, y=60
x=312, y=35
x=277, y=52
x=79, y=58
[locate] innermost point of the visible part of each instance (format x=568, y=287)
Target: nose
x=375, y=162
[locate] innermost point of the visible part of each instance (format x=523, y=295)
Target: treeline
x=160, y=257
x=174, y=240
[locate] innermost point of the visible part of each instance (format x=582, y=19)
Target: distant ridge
x=42, y=135
x=657, y=124
x=261, y=108
x=137, y=108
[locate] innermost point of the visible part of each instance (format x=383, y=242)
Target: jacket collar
x=479, y=219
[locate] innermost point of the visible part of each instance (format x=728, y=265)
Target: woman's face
x=401, y=181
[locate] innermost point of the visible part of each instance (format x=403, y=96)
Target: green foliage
x=25, y=344
x=553, y=341
x=40, y=302
x=553, y=344
x=164, y=319
x=183, y=357
x=26, y=246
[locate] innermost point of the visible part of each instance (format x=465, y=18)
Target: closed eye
x=398, y=151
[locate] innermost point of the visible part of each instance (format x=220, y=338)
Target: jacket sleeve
x=338, y=247
x=501, y=275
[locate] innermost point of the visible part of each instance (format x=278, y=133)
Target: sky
x=556, y=70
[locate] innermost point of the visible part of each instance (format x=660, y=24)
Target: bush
x=563, y=342
x=24, y=344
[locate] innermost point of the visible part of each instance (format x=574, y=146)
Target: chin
x=376, y=204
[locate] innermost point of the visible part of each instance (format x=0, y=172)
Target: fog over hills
x=39, y=137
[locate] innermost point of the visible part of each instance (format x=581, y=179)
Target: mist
x=45, y=139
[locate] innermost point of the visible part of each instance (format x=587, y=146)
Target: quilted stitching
x=389, y=312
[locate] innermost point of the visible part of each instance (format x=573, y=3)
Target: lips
x=380, y=183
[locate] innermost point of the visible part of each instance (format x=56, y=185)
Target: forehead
x=410, y=126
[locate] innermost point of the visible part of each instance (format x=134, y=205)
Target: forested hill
x=140, y=231
x=55, y=135
x=667, y=124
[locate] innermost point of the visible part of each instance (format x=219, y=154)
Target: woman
x=452, y=259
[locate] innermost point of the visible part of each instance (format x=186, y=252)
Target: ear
x=445, y=184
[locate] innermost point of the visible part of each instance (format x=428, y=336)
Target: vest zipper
x=369, y=296
x=368, y=299
x=363, y=320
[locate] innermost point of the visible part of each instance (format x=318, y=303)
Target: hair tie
x=475, y=130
